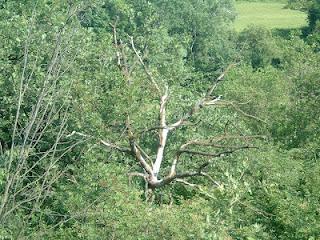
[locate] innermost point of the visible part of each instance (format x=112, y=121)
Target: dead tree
x=151, y=167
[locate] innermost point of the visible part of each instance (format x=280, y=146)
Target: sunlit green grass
x=268, y=14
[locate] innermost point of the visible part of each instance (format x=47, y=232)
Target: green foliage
x=285, y=98
x=281, y=204
x=313, y=35
x=203, y=27
x=112, y=209
x=266, y=193
x=314, y=14
x=259, y=93
x=302, y=5
x=257, y=47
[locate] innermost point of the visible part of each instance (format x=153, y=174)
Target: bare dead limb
x=114, y=146
x=207, y=100
x=102, y=142
x=115, y=41
x=155, y=84
x=138, y=155
x=236, y=108
x=135, y=174
x=214, y=154
x=163, y=134
x=256, y=210
x=218, y=80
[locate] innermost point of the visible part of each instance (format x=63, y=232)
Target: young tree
x=32, y=160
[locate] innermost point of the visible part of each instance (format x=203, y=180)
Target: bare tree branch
x=163, y=134
x=103, y=142
x=207, y=100
x=114, y=146
x=144, y=66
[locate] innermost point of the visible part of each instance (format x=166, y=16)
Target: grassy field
x=268, y=14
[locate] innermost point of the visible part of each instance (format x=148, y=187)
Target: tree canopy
x=124, y=119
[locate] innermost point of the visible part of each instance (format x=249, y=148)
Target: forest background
x=134, y=119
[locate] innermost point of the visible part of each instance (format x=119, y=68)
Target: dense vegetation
x=133, y=119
